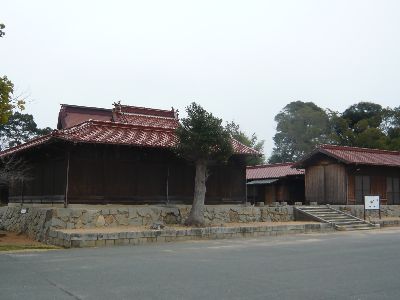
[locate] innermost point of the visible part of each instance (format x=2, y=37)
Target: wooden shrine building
x=275, y=183
x=119, y=156
x=344, y=175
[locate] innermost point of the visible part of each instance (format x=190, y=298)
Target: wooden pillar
x=167, y=185
x=67, y=180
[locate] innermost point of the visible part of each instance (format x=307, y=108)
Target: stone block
x=133, y=234
x=64, y=213
x=134, y=241
x=89, y=236
x=105, y=211
x=58, y=223
x=67, y=243
x=122, y=235
x=110, y=242
x=100, y=222
x=107, y=236
x=76, y=213
x=100, y=243
x=53, y=234
x=123, y=210
x=76, y=243
x=122, y=219
x=76, y=236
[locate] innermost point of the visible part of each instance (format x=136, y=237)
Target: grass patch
x=26, y=247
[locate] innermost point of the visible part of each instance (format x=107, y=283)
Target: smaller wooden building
x=344, y=175
x=275, y=183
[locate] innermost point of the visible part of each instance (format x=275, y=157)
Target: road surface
x=342, y=265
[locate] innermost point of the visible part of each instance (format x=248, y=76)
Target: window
x=392, y=190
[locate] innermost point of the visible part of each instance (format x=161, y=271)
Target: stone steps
x=339, y=219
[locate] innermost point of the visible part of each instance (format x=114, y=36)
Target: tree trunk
x=196, y=216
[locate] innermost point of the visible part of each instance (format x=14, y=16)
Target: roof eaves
x=251, y=151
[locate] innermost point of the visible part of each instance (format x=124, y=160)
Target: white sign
x=23, y=210
x=371, y=202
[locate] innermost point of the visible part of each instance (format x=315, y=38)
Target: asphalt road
x=356, y=265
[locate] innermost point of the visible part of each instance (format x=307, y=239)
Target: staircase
x=339, y=219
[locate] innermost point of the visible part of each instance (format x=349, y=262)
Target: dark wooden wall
x=45, y=182
x=326, y=182
x=102, y=174
x=290, y=190
x=373, y=180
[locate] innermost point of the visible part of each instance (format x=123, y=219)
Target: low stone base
x=387, y=222
x=70, y=239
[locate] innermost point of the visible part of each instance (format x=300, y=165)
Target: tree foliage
x=368, y=125
x=300, y=126
x=203, y=140
x=19, y=129
x=201, y=136
x=250, y=141
x=2, y=33
x=8, y=102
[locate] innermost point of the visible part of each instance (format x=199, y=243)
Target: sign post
x=372, y=203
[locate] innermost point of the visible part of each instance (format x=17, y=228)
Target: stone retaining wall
x=68, y=240
x=358, y=211
x=37, y=221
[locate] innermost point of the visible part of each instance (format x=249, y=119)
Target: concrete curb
x=79, y=240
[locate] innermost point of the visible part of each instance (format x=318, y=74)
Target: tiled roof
x=272, y=171
x=103, y=132
x=354, y=155
x=151, y=121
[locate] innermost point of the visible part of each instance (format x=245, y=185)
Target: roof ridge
x=271, y=165
x=250, y=148
x=357, y=149
x=88, y=107
x=143, y=115
x=146, y=108
x=116, y=124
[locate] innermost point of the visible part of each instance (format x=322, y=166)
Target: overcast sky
x=241, y=60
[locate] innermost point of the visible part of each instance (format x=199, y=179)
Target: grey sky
x=241, y=60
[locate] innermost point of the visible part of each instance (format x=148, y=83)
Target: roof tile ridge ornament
x=176, y=113
x=356, y=149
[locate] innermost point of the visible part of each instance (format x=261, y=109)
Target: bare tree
x=14, y=169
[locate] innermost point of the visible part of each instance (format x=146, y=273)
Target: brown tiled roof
x=103, y=132
x=151, y=121
x=354, y=155
x=272, y=171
